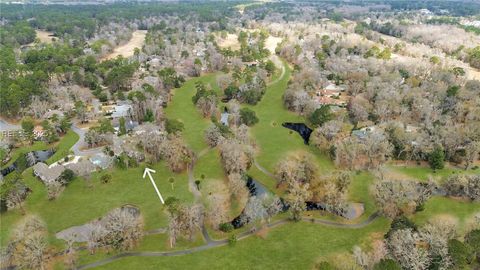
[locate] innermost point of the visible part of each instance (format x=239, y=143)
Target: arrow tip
x=148, y=171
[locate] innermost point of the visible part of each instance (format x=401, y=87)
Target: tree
x=28, y=127
x=248, y=117
x=236, y=157
x=49, y=132
x=106, y=178
x=320, y=116
x=472, y=151
x=436, y=158
x=184, y=219
x=173, y=126
x=121, y=229
x=81, y=111
x=402, y=245
x=395, y=197
x=297, y=195
x=13, y=191
x=66, y=176
x=387, y=264
x=270, y=67
x=28, y=245
x=122, y=128
x=171, y=180
x=462, y=255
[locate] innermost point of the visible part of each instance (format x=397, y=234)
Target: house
x=46, y=174
x=363, y=132
x=129, y=125
x=82, y=167
x=119, y=111
x=411, y=129
x=51, y=113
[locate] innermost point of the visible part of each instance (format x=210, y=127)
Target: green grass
x=63, y=147
x=422, y=173
x=36, y=146
x=435, y=206
x=275, y=141
x=182, y=108
x=290, y=246
x=79, y=203
x=359, y=191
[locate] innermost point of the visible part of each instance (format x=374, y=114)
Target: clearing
x=127, y=49
x=231, y=41
x=44, y=36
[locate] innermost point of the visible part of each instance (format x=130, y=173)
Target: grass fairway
x=275, y=141
x=438, y=206
x=289, y=246
x=80, y=203
x=182, y=108
x=422, y=173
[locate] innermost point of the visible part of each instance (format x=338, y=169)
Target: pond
x=302, y=129
x=28, y=160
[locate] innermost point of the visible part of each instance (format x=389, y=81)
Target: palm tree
x=172, y=181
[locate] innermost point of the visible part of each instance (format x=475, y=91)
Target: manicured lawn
x=359, y=191
x=25, y=149
x=422, y=173
x=63, y=147
x=462, y=210
x=80, y=203
x=290, y=246
x=182, y=108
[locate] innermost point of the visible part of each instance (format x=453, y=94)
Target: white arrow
x=148, y=171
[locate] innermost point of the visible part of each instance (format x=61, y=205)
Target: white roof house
x=122, y=111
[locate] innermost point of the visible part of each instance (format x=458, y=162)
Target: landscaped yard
x=80, y=203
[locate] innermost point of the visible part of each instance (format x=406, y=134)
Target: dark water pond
x=254, y=189
x=301, y=128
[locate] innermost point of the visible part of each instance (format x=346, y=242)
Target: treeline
x=82, y=21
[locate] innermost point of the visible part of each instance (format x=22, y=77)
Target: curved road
x=81, y=143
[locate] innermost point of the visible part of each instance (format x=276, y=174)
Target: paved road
x=81, y=144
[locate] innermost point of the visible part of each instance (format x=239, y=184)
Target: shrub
x=226, y=227
x=460, y=253
x=173, y=126
x=387, y=264
x=248, y=117
x=232, y=240
x=67, y=176
x=106, y=178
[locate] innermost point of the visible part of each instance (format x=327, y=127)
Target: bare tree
x=297, y=196
x=28, y=245
x=403, y=246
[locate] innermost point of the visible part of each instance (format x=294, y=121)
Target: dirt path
x=126, y=50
